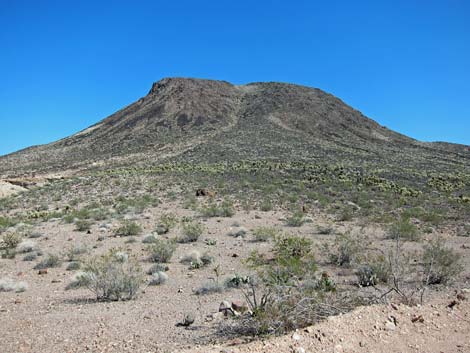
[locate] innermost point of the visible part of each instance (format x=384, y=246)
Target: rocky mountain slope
x=209, y=121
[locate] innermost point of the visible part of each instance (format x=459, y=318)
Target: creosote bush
x=403, y=229
x=263, y=234
x=158, y=278
x=83, y=225
x=50, y=261
x=441, y=264
x=284, y=294
x=191, y=232
x=128, y=228
x=110, y=277
x=161, y=251
x=224, y=209
x=296, y=219
x=346, y=250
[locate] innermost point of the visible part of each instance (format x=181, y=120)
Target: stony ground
x=47, y=318
x=433, y=327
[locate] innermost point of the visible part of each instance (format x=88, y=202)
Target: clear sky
x=65, y=65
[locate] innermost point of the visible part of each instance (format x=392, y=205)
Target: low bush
x=263, y=234
x=346, y=250
x=8, y=285
x=161, y=251
x=209, y=288
x=224, y=209
x=285, y=294
x=404, y=230
x=83, y=225
x=157, y=268
x=374, y=271
x=49, y=261
x=296, y=219
x=110, y=277
x=128, y=228
x=191, y=232
x=158, y=278
x=26, y=246
x=441, y=264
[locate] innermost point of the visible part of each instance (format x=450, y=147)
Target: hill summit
x=201, y=120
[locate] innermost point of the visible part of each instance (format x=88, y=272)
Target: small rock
x=296, y=336
x=42, y=272
x=418, y=318
x=390, y=326
x=225, y=305
x=239, y=306
x=188, y=320
x=300, y=350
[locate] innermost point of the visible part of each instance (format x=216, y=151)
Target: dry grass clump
x=110, y=277
x=50, y=261
x=8, y=285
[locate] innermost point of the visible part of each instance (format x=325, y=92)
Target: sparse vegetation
x=191, y=232
x=161, y=251
x=110, y=277
x=441, y=264
x=128, y=228
x=8, y=285
x=49, y=261
x=224, y=209
x=263, y=234
x=296, y=219
x=158, y=278
x=346, y=250
x=404, y=230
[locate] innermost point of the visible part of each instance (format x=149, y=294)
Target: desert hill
x=183, y=119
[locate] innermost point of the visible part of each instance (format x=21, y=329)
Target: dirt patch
x=7, y=189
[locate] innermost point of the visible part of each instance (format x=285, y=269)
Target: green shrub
x=225, y=209
x=158, y=278
x=266, y=205
x=404, y=230
x=296, y=219
x=49, y=261
x=10, y=240
x=285, y=294
x=346, y=250
x=73, y=266
x=128, y=228
x=376, y=270
x=157, y=268
x=263, y=234
x=7, y=285
x=6, y=222
x=74, y=251
x=168, y=220
x=161, y=251
x=149, y=239
x=191, y=232
x=83, y=225
x=441, y=264
x=209, y=288
x=110, y=278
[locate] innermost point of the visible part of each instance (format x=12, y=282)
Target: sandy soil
x=7, y=189
x=46, y=318
x=436, y=328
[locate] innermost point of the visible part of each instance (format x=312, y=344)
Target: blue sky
x=65, y=65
